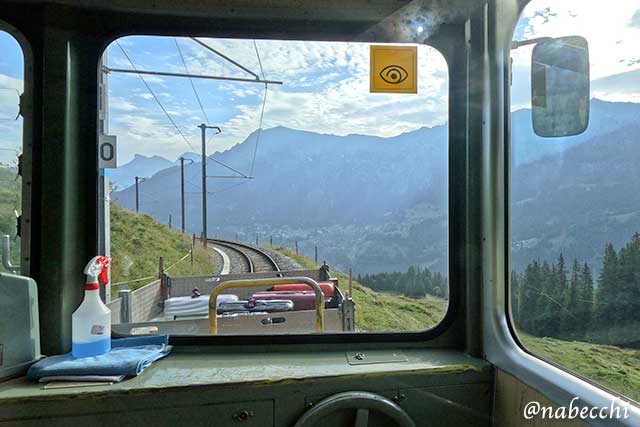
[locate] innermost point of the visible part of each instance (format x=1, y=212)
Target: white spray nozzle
x=97, y=267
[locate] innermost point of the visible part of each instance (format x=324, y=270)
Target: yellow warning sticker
x=394, y=69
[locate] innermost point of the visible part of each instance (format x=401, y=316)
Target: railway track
x=250, y=258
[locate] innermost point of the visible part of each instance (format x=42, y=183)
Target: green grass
x=383, y=312
x=138, y=241
x=613, y=367
x=9, y=200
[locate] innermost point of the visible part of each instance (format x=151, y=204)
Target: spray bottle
x=91, y=322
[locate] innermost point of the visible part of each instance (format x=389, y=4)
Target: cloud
x=10, y=90
x=635, y=19
x=612, y=42
x=623, y=87
x=148, y=135
x=120, y=104
x=10, y=127
x=345, y=106
x=325, y=89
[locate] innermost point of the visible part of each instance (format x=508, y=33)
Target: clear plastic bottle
x=91, y=322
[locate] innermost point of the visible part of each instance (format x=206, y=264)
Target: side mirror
x=560, y=86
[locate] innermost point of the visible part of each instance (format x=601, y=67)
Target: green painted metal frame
x=67, y=43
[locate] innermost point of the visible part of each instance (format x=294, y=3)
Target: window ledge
x=199, y=366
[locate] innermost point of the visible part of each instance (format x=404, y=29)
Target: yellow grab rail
x=250, y=283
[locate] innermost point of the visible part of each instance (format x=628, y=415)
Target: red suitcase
x=327, y=288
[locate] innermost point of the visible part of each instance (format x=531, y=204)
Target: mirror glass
x=560, y=86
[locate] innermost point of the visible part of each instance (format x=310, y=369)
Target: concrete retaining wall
x=141, y=305
x=146, y=302
x=115, y=307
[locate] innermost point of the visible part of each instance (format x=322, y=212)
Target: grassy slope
x=613, y=367
x=9, y=200
x=378, y=311
x=137, y=242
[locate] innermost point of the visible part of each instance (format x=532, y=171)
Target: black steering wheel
x=360, y=401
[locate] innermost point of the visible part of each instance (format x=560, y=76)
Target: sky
x=325, y=89
x=325, y=85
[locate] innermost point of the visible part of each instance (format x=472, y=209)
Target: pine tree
x=532, y=292
x=626, y=298
x=584, y=309
x=439, y=285
x=570, y=322
x=421, y=287
x=606, y=295
x=550, y=305
x=410, y=289
x=516, y=296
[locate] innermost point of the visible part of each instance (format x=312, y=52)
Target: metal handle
x=6, y=255
x=250, y=283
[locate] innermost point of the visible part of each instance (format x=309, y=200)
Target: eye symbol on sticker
x=393, y=74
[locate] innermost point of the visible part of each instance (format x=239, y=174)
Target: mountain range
x=142, y=166
x=380, y=204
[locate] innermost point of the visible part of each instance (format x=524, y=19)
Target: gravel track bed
x=217, y=261
x=259, y=257
x=238, y=262
x=284, y=262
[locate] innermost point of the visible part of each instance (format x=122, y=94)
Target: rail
x=238, y=247
x=213, y=319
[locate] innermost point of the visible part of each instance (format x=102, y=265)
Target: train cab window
x=11, y=86
x=308, y=175
x=574, y=204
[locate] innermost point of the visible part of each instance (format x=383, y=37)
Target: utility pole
x=182, y=159
x=203, y=131
x=138, y=181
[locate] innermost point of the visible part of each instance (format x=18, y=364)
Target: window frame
x=503, y=347
x=26, y=160
x=440, y=335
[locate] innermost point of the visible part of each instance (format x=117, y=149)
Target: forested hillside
x=414, y=283
x=566, y=302
x=383, y=312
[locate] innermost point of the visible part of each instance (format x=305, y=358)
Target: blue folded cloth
x=128, y=357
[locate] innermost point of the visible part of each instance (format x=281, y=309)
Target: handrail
x=249, y=283
x=6, y=255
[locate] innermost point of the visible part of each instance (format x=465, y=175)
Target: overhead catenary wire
x=240, y=174
x=181, y=133
x=195, y=92
x=222, y=190
x=255, y=147
x=223, y=56
x=155, y=97
x=264, y=102
x=255, y=46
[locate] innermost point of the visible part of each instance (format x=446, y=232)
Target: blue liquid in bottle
x=93, y=348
